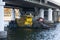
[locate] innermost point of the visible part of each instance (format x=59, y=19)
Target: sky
x=56, y=1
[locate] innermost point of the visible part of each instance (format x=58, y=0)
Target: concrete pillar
x=12, y=14
x=1, y=0
x=59, y=16
x=41, y=13
x=36, y=11
x=20, y=12
x=46, y=1
x=55, y=16
x=50, y=16
x=40, y=1
x=2, y=15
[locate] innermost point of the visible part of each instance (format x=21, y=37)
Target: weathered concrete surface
x=3, y=34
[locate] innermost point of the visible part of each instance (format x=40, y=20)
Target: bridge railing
x=38, y=1
x=33, y=1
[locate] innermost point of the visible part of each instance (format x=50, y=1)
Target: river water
x=35, y=34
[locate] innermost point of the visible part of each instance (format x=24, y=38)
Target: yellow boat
x=25, y=20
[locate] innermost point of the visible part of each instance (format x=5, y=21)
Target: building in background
x=7, y=15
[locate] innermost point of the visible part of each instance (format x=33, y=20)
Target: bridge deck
x=30, y=4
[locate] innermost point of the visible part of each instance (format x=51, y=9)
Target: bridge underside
x=25, y=4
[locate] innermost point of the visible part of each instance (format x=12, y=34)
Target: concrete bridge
x=41, y=8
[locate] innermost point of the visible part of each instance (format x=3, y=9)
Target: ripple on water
x=38, y=34
x=51, y=34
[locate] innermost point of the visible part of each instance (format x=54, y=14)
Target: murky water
x=35, y=34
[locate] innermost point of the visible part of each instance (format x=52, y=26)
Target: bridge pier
x=20, y=12
x=55, y=16
x=58, y=15
x=3, y=33
x=41, y=13
x=12, y=14
x=50, y=15
x=2, y=15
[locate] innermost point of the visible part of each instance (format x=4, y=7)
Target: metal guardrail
x=35, y=1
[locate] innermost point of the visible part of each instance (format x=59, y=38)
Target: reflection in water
x=34, y=34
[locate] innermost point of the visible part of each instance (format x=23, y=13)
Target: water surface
x=35, y=34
